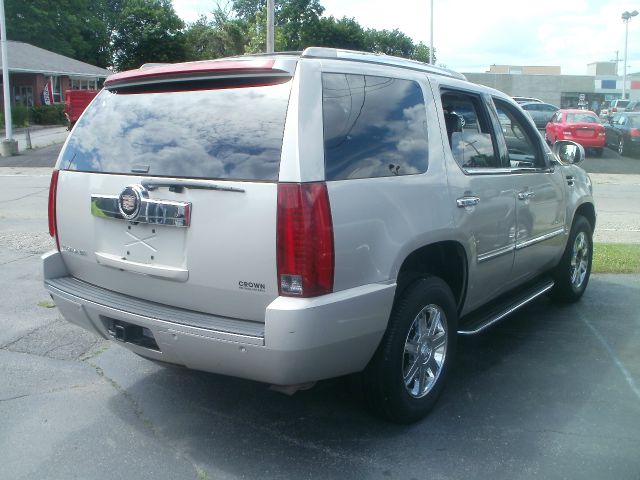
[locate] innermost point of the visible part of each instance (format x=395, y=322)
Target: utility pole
x=9, y=145
x=270, y=28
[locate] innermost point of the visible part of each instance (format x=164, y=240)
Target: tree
x=219, y=37
x=147, y=31
x=296, y=22
x=344, y=33
x=421, y=53
x=75, y=28
x=389, y=42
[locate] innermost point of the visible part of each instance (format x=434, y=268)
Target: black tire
x=546, y=139
x=384, y=387
x=598, y=152
x=622, y=146
x=572, y=273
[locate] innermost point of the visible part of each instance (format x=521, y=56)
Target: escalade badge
x=129, y=201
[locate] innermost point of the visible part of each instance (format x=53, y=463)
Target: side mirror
x=569, y=152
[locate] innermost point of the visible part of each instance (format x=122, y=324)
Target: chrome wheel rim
x=621, y=146
x=425, y=350
x=579, y=260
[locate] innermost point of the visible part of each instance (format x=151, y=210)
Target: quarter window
x=373, y=127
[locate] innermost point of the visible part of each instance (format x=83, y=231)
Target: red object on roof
x=75, y=101
x=178, y=69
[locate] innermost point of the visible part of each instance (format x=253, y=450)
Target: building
x=31, y=68
x=526, y=69
x=601, y=84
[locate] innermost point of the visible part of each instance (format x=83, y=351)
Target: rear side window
x=373, y=127
x=213, y=133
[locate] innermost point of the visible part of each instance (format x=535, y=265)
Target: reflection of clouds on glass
x=230, y=133
x=374, y=126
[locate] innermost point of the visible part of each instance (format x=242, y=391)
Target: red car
x=581, y=126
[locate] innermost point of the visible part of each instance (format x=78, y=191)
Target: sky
x=471, y=35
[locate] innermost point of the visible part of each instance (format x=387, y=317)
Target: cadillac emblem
x=129, y=201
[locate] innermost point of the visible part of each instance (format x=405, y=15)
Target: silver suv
x=291, y=218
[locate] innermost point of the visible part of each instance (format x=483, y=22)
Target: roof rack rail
x=366, y=57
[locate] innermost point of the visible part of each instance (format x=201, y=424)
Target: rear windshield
x=582, y=118
x=228, y=133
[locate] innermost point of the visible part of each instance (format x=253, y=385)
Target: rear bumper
x=597, y=142
x=301, y=340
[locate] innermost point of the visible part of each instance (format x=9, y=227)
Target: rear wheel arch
x=446, y=260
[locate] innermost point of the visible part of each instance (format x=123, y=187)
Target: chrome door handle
x=464, y=202
x=526, y=195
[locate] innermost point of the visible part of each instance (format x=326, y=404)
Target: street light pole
x=431, y=42
x=626, y=16
x=270, y=29
x=5, y=75
x=8, y=146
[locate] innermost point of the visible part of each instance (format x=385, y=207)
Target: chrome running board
x=479, y=321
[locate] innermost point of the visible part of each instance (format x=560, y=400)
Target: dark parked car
x=522, y=100
x=622, y=133
x=541, y=113
x=633, y=106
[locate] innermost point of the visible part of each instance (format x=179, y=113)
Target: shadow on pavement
x=537, y=396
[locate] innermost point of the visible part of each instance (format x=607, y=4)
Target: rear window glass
x=228, y=133
x=582, y=118
x=373, y=127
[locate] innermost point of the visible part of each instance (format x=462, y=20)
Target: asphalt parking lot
x=554, y=392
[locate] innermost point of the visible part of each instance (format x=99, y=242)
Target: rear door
x=482, y=190
x=167, y=192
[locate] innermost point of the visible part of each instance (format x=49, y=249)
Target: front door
x=539, y=191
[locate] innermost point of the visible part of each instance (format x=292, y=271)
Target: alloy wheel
x=579, y=260
x=425, y=350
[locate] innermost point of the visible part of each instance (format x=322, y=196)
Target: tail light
x=53, y=191
x=304, y=240
x=634, y=132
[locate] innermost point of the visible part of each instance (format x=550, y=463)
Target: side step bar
x=480, y=320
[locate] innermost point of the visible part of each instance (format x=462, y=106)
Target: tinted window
x=373, y=127
x=523, y=146
x=230, y=133
x=469, y=136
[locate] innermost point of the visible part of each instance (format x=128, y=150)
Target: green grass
x=616, y=258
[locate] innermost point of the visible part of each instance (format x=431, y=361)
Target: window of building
x=24, y=95
x=56, y=85
x=373, y=127
x=84, y=84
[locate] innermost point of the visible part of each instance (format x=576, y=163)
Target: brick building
x=30, y=68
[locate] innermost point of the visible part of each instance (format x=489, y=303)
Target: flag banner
x=47, y=93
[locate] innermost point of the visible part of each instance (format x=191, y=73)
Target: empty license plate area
x=584, y=133
x=154, y=245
